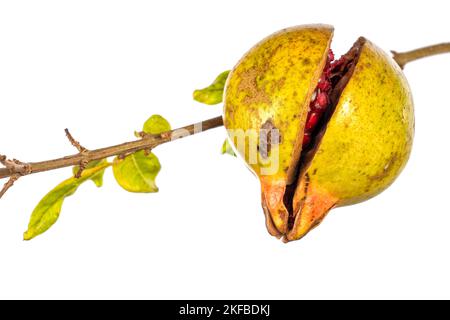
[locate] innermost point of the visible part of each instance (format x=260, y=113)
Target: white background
x=101, y=68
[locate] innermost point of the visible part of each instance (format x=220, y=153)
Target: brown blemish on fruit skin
x=307, y=180
x=255, y=94
x=279, y=84
x=269, y=135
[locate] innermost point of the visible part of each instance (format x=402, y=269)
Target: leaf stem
x=402, y=58
x=146, y=143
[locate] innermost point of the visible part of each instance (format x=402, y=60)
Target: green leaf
x=212, y=94
x=156, y=124
x=97, y=178
x=48, y=209
x=227, y=149
x=137, y=172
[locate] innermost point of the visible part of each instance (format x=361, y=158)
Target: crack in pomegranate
x=332, y=82
x=320, y=100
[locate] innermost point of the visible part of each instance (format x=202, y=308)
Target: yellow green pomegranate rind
x=369, y=137
x=272, y=84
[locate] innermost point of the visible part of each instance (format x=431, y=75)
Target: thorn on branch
x=74, y=142
x=83, y=152
x=9, y=184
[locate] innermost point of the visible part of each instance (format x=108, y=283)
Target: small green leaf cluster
x=135, y=172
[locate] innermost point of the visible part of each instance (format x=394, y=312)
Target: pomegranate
x=318, y=132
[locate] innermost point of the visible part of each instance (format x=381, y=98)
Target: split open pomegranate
x=344, y=127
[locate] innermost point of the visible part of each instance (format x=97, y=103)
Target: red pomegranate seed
x=312, y=121
x=316, y=108
x=324, y=84
x=322, y=99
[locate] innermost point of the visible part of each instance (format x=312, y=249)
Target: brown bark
x=147, y=142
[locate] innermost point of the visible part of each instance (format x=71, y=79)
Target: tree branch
x=9, y=184
x=14, y=168
x=403, y=58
